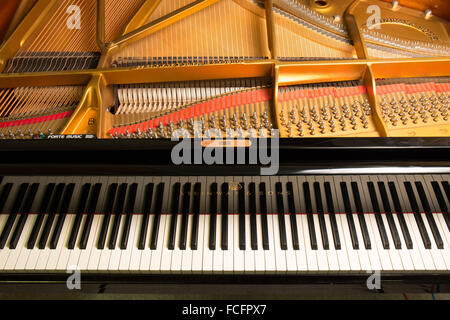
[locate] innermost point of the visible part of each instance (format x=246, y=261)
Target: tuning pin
x=244, y=121
x=254, y=120
x=234, y=121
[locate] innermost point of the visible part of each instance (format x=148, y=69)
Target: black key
x=292, y=216
x=263, y=206
x=213, y=216
x=280, y=210
x=40, y=218
x=378, y=218
x=417, y=216
x=332, y=215
x=441, y=201
x=196, y=214
x=185, y=205
x=252, y=210
x=389, y=217
x=51, y=215
x=5, y=194
x=157, y=212
x=319, y=206
x=241, y=208
x=17, y=205
x=63, y=210
x=118, y=210
x=349, y=214
x=81, y=208
x=147, y=209
x=24, y=216
x=309, y=215
x=446, y=186
x=361, y=218
x=91, y=208
x=112, y=190
x=400, y=215
x=426, y=208
x=129, y=211
x=175, y=203
x=224, y=211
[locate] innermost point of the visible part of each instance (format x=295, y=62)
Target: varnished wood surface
x=7, y=10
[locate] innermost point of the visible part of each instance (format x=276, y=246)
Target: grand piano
x=348, y=100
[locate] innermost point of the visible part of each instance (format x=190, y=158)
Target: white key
x=291, y=258
x=385, y=258
x=269, y=255
x=64, y=253
x=218, y=263
x=322, y=259
x=435, y=252
x=166, y=255
x=74, y=256
x=311, y=255
x=125, y=257
x=280, y=255
x=443, y=230
x=135, y=258
x=228, y=255
x=114, y=260
x=207, y=253
x=146, y=254
x=364, y=259
x=418, y=246
x=302, y=261
x=346, y=242
x=3, y=252
x=405, y=254
x=44, y=254
x=412, y=225
x=155, y=263
x=22, y=252
x=58, y=257
x=89, y=257
x=177, y=254
x=332, y=253
x=342, y=254
x=393, y=252
x=186, y=262
x=197, y=255
x=249, y=254
x=238, y=254
x=260, y=265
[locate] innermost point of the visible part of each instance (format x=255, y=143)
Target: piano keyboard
x=219, y=224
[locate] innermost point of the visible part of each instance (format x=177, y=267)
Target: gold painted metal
x=276, y=108
x=101, y=33
x=24, y=30
x=369, y=82
x=98, y=95
x=143, y=14
x=355, y=31
x=84, y=119
x=187, y=73
x=270, y=29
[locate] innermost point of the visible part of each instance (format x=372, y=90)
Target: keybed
x=242, y=224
